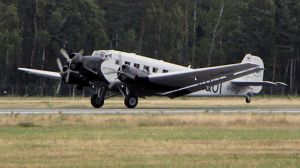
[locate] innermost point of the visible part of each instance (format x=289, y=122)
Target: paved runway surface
x=148, y=111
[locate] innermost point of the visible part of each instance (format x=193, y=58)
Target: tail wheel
x=248, y=99
x=96, y=101
x=131, y=101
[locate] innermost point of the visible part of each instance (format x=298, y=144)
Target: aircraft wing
x=195, y=76
x=200, y=86
x=48, y=74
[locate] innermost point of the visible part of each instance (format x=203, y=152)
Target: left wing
x=48, y=74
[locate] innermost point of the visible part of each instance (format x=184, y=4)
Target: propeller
x=81, y=52
x=58, y=87
x=69, y=61
x=59, y=64
x=65, y=54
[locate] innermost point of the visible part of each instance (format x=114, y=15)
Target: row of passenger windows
x=145, y=67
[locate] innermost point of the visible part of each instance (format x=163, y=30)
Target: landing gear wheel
x=96, y=101
x=248, y=99
x=131, y=101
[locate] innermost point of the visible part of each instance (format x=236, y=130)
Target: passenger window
x=117, y=62
x=146, y=68
x=136, y=66
x=165, y=71
x=155, y=70
x=127, y=63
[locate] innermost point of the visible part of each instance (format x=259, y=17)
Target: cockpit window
x=107, y=56
x=96, y=54
x=102, y=54
x=127, y=63
x=117, y=62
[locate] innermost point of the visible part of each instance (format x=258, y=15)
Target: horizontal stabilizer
x=47, y=74
x=262, y=83
x=281, y=84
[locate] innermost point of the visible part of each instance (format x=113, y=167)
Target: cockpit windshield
x=103, y=54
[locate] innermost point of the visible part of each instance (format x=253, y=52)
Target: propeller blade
x=65, y=54
x=59, y=64
x=68, y=76
x=81, y=52
x=58, y=87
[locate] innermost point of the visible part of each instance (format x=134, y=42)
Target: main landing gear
x=131, y=100
x=97, y=100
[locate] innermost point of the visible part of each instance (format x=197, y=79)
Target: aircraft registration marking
x=214, y=89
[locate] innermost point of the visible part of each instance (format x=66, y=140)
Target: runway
x=104, y=111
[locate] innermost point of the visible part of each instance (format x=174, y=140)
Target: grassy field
x=185, y=102
x=203, y=140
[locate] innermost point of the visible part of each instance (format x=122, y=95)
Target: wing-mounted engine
x=128, y=74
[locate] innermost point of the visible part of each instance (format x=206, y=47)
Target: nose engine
x=72, y=70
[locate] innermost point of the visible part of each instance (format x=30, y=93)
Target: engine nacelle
x=128, y=74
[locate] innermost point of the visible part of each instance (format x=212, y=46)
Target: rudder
x=255, y=77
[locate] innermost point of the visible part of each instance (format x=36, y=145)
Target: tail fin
x=254, y=81
x=255, y=77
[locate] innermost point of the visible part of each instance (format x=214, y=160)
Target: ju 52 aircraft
x=133, y=76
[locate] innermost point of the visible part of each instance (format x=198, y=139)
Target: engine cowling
x=129, y=74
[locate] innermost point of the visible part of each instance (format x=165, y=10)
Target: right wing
x=48, y=74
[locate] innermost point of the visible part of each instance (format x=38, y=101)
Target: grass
x=184, y=102
x=197, y=140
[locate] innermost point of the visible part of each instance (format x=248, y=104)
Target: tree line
x=199, y=33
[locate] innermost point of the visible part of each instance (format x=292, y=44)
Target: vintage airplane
x=135, y=76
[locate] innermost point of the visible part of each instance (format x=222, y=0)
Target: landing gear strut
x=248, y=98
x=97, y=100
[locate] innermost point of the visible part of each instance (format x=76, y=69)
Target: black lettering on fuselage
x=214, y=89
